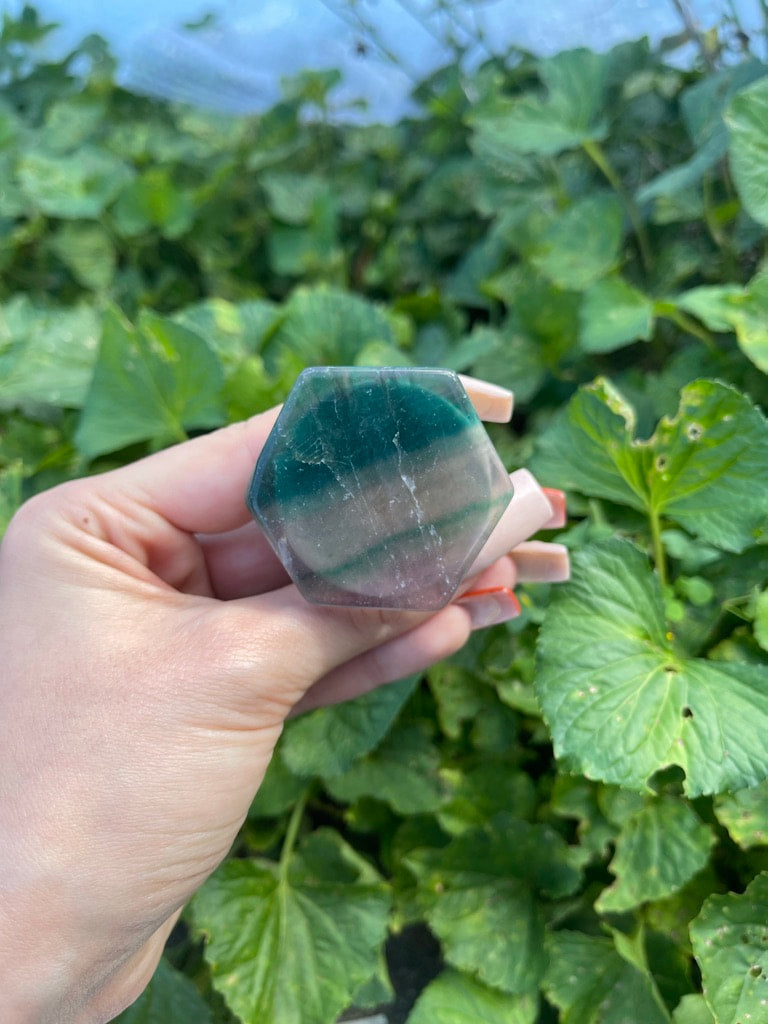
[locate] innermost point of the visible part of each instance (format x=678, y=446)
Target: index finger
x=199, y=486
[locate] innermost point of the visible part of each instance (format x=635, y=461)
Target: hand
x=151, y=649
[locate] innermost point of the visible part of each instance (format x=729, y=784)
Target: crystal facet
x=378, y=486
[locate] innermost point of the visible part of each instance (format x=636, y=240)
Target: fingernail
x=525, y=515
x=556, y=499
x=540, y=562
x=492, y=402
x=490, y=607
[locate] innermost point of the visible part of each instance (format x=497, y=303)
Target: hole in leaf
x=671, y=668
x=687, y=713
x=694, y=431
x=668, y=780
x=756, y=971
x=661, y=462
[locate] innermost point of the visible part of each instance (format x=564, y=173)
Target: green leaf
x=293, y=197
x=698, y=469
x=310, y=250
x=378, y=989
x=295, y=944
x=745, y=815
x=730, y=940
x=761, y=619
x=326, y=326
x=729, y=307
x=153, y=200
x=590, y=448
x=47, y=353
x=87, y=250
x=279, y=790
x=455, y=998
x=11, y=478
x=478, y=894
x=70, y=122
x=515, y=361
x=692, y=1009
x=707, y=460
x=233, y=330
x=484, y=790
x=170, y=998
x=328, y=741
x=622, y=704
x=703, y=106
x=582, y=245
x=614, y=314
x=402, y=772
x=457, y=696
x=567, y=117
x=151, y=381
x=591, y=981
x=657, y=851
x=77, y=186
x=575, y=797
x=747, y=120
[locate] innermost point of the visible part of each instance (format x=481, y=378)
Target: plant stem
x=596, y=511
x=694, y=32
x=719, y=236
x=686, y=323
x=292, y=832
x=596, y=153
x=659, y=554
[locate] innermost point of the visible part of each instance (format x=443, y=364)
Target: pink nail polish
x=540, y=562
x=492, y=402
x=490, y=607
x=525, y=515
x=556, y=499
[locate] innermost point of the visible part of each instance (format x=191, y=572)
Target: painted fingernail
x=525, y=515
x=492, y=402
x=490, y=607
x=540, y=562
x=556, y=499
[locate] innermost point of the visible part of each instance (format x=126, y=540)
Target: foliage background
x=576, y=805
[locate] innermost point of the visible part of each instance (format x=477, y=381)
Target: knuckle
x=41, y=513
x=29, y=519
x=373, y=626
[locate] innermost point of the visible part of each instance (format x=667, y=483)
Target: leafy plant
x=574, y=805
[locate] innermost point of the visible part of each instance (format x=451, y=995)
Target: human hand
x=152, y=648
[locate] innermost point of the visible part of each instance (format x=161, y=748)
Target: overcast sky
x=237, y=63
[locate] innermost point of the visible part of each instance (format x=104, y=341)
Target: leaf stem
x=686, y=323
x=694, y=32
x=659, y=554
x=292, y=832
x=596, y=153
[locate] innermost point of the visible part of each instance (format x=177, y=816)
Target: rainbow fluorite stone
x=378, y=486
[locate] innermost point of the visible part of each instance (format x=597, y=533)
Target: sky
x=237, y=62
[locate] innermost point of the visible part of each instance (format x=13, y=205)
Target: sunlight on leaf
x=155, y=380
x=622, y=703
x=730, y=940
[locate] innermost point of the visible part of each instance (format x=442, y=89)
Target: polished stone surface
x=378, y=486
